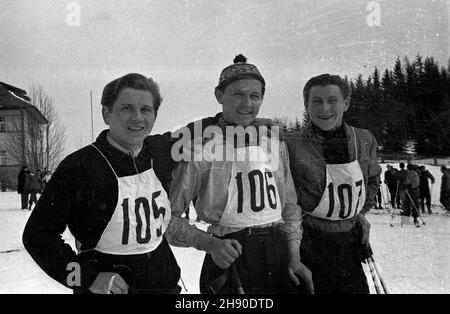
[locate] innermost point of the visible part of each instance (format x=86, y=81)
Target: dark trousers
x=444, y=198
x=401, y=198
x=378, y=198
x=425, y=196
x=262, y=267
x=33, y=199
x=335, y=262
x=411, y=203
x=156, y=272
x=24, y=200
x=392, y=191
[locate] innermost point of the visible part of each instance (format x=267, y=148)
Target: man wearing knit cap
x=252, y=243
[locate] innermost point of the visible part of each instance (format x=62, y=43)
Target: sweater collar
x=130, y=152
x=342, y=132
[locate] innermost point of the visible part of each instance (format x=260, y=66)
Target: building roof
x=14, y=98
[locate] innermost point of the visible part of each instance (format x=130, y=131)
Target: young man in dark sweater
x=336, y=175
x=112, y=196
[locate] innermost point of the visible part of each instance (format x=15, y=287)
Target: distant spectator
x=389, y=180
x=401, y=187
x=395, y=173
x=32, y=187
x=445, y=188
x=21, y=186
x=411, y=203
x=424, y=188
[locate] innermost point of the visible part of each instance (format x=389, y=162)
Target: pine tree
x=411, y=101
x=418, y=67
x=422, y=119
x=355, y=113
x=434, y=108
x=399, y=77
x=306, y=119
x=392, y=141
x=297, y=125
x=376, y=79
x=377, y=117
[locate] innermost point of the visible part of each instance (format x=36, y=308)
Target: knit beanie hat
x=240, y=69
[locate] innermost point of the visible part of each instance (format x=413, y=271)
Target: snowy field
x=411, y=260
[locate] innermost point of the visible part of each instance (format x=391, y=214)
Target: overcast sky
x=184, y=44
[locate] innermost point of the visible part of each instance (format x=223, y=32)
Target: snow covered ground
x=411, y=260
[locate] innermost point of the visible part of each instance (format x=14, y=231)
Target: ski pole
x=390, y=209
x=387, y=205
x=386, y=191
x=414, y=205
x=396, y=195
x=402, y=203
x=374, y=277
x=431, y=193
x=383, y=284
x=383, y=197
x=372, y=269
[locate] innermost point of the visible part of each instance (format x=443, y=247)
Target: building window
x=3, y=157
x=2, y=124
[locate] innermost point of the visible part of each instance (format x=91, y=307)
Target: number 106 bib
x=253, y=197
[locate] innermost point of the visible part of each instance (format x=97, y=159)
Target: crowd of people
x=409, y=189
x=30, y=184
x=286, y=213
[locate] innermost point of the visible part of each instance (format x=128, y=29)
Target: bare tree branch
x=44, y=143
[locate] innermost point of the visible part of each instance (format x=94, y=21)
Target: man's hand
x=225, y=252
x=297, y=269
x=107, y=283
x=364, y=226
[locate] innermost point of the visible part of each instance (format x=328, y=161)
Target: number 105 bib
x=140, y=218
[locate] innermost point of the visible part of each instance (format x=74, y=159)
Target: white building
x=17, y=115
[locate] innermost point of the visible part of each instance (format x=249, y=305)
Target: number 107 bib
x=345, y=193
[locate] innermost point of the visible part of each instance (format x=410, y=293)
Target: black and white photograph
x=199, y=147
